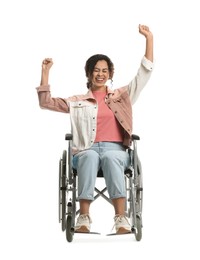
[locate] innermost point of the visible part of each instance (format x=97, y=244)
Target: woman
x=101, y=122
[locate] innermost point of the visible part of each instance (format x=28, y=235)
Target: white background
x=165, y=116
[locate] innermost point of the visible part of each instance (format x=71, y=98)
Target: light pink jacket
x=83, y=108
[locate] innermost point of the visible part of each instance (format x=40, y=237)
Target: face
x=100, y=75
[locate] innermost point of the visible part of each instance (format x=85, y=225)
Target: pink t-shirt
x=108, y=128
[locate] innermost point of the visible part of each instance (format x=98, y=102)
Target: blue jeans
x=112, y=158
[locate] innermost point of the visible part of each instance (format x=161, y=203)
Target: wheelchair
x=68, y=209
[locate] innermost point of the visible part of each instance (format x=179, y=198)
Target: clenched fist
x=144, y=30
x=47, y=63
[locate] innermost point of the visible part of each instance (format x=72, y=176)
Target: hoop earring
x=111, y=83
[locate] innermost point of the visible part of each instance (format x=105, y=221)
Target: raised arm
x=146, y=67
x=44, y=94
x=144, y=30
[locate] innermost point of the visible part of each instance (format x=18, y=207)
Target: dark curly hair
x=90, y=64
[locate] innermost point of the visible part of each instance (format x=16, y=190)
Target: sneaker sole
x=123, y=230
x=82, y=229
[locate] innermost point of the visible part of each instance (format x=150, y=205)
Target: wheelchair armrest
x=68, y=137
x=135, y=137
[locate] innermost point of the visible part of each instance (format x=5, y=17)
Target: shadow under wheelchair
x=68, y=202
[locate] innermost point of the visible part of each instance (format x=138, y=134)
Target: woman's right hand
x=46, y=64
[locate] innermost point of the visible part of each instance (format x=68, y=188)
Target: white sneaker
x=122, y=225
x=83, y=223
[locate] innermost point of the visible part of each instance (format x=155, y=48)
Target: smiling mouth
x=99, y=79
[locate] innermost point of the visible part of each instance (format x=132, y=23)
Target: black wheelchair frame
x=68, y=191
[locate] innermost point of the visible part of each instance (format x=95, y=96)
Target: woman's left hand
x=144, y=30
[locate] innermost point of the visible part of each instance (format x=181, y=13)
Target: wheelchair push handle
x=135, y=137
x=68, y=137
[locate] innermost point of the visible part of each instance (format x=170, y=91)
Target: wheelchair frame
x=68, y=191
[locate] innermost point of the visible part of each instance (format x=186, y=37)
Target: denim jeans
x=112, y=158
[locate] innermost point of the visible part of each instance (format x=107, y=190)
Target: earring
x=111, y=83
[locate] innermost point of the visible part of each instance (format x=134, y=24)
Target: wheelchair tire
x=69, y=232
x=63, y=189
x=139, y=200
x=60, y=192
x=138, y=230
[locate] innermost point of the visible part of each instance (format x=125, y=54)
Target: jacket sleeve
x=50, y=103
x=140, y=80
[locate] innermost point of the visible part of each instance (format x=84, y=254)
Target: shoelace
x=118, y=218
x=85, y=216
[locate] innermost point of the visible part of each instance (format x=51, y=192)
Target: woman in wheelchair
x=101, y=122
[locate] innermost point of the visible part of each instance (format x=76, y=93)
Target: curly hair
x=90, y=64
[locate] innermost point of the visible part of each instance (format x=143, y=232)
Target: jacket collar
x=89, y=94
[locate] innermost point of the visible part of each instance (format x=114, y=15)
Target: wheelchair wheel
x=138, y=205
x=139, y=198
x=62, y=190
x=139, y=195
x=136, y=213
x=138, y=230
x=69, y=232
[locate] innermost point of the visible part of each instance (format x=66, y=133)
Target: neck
x=98, y=88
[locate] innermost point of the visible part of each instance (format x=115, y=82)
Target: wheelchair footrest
x=116, y=234
x=88, y=233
